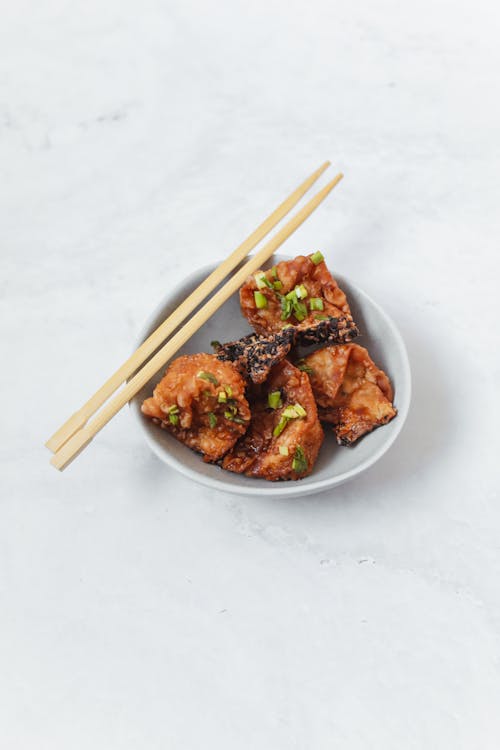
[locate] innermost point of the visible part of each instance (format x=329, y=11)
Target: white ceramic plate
x=336, y=464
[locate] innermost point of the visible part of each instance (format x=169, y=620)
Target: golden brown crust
x=186, y=403
x=257, y=454
x=352, y=393
x=291, y=273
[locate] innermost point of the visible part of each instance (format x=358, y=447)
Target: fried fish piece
x=298, y=292
x=352, y=393
x=201, y=402
x=255, y=354
x=285, y=434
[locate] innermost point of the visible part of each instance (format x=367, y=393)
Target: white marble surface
x=138, y=140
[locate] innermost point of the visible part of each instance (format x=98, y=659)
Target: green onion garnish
x=207, y=376
x=239, y=420
x=259, y=280
x=274, y=399
x=303, y=366
x=317, y=257
x=228, y=390
x=283, y=449
x=294, y=412
x=300, y=410
x=174, y=409
x=290, y=304
x=287, y=325
x=173, y=419
x=278, y=285
x=300, y=311
x=286, y=308
x=262, y=281
x=222, y=397
x=231, y=412
x=215, y=344
x=299, y=463
x=212, y=419
x=316, y=303
x=322, y=317
x=280, y=426
x=260, y=300
x=301, y=291
x=274, y=272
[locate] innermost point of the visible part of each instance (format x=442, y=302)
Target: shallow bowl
x=335, y=464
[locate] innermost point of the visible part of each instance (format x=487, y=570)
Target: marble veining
x=138, y=141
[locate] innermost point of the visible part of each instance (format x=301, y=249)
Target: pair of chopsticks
x=77, y=432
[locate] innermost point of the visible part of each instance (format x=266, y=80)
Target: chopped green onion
x=322, y=317
x=173, y=419
x=262, y=281
x=280, y=426
x=231, y=412
x=222, y=397
x=274, y=399
x=316, y=303
x=215, y=344
x=317, y=257
x=174, y=409
x=292, y=296
x=287, y=325
x=260, y=300
x=283, y=449
x=278, y=285
x=259, y=280
x=207, y=376
x=212, y=419
x=239, y=420
x=286, y=308
x=294, y=412
x=300, y=311
x=228, y=390
x=301, y=291
x=299, y=463
x=274, y=272
x=303, y=366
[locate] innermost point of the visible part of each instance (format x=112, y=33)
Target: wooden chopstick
x=132, y=364
x=82, y=438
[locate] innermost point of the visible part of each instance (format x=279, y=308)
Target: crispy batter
x=255, y=355
x=330, y=331
x=201, y=402
x=257, y=454
x=352, y=393
x=290, y=274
